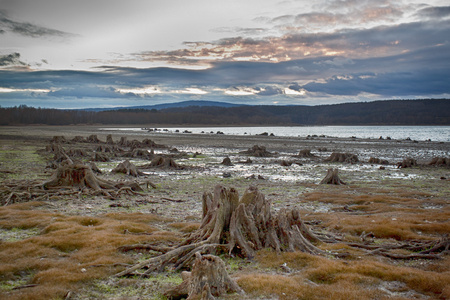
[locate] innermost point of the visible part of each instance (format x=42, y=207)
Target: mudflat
x=77, y=236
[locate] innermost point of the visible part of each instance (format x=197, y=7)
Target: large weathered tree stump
x=127, y=168
x=82, y=177
x=258, y=151
x=342, y=157
x=305, y=153
x=239, y=226
x=332, y=177
x=227, y=161
x=407, y=163
x=440, y=161
x=77, y=175
x=379, y=161
x=207, y=279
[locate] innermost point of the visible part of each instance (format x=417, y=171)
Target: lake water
x=419, y=133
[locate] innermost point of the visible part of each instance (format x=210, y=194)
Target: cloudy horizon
x=81, y=54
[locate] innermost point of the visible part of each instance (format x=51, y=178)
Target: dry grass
x=185, y=227
x=69, y=251
x=315, y=277
x=390, y=214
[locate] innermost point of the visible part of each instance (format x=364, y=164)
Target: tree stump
x=379, y=161
x=77, y=175
x=440, y=161
x=82, y=177
x=109, y=139
x=332, y=177
x=285, y=163
x=227, y=161
x=93, y=139
x=407, y=163
x=94, y=168
x=127, y=168
x=123, y=141
x=258, y=151
x=207, y=279
x=98, y=156
x=164, y=162
x=239, y=226
x=59, y=139
x=305, y=153
x=342, y=157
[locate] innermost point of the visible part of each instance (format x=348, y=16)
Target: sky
x=109, y=53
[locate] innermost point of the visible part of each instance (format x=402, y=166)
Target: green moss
x=17, y=234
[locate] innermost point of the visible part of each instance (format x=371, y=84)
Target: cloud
x=241, y=30
x=434, y=12
x=12, y=59
x=85, y=91
x=350, y=43
x=28, y=29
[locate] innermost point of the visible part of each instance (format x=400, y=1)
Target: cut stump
x=332, y=177
x=208, y=279
x=127, y=168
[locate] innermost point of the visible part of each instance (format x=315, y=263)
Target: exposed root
x=239, y=226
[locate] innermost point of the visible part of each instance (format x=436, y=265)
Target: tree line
x=387, y=112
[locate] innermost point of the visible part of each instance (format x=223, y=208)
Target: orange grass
x=351, y=277
x=297, y=287
x=185, y=227
x=70, y=250
x=398, y=217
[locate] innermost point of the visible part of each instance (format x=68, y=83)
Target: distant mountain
x=199, y=103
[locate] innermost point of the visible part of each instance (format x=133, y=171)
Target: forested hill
x=387, y=112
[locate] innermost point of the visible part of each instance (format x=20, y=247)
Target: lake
x=419, y=133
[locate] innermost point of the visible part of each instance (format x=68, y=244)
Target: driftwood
x=208, y=279
x=342, y=157
x=332, y=177
x=239, y=226
x=127, y=168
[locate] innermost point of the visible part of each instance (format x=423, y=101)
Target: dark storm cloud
x=28, y=29
x=12, y=59
x=423, y=72
x=434, y=12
